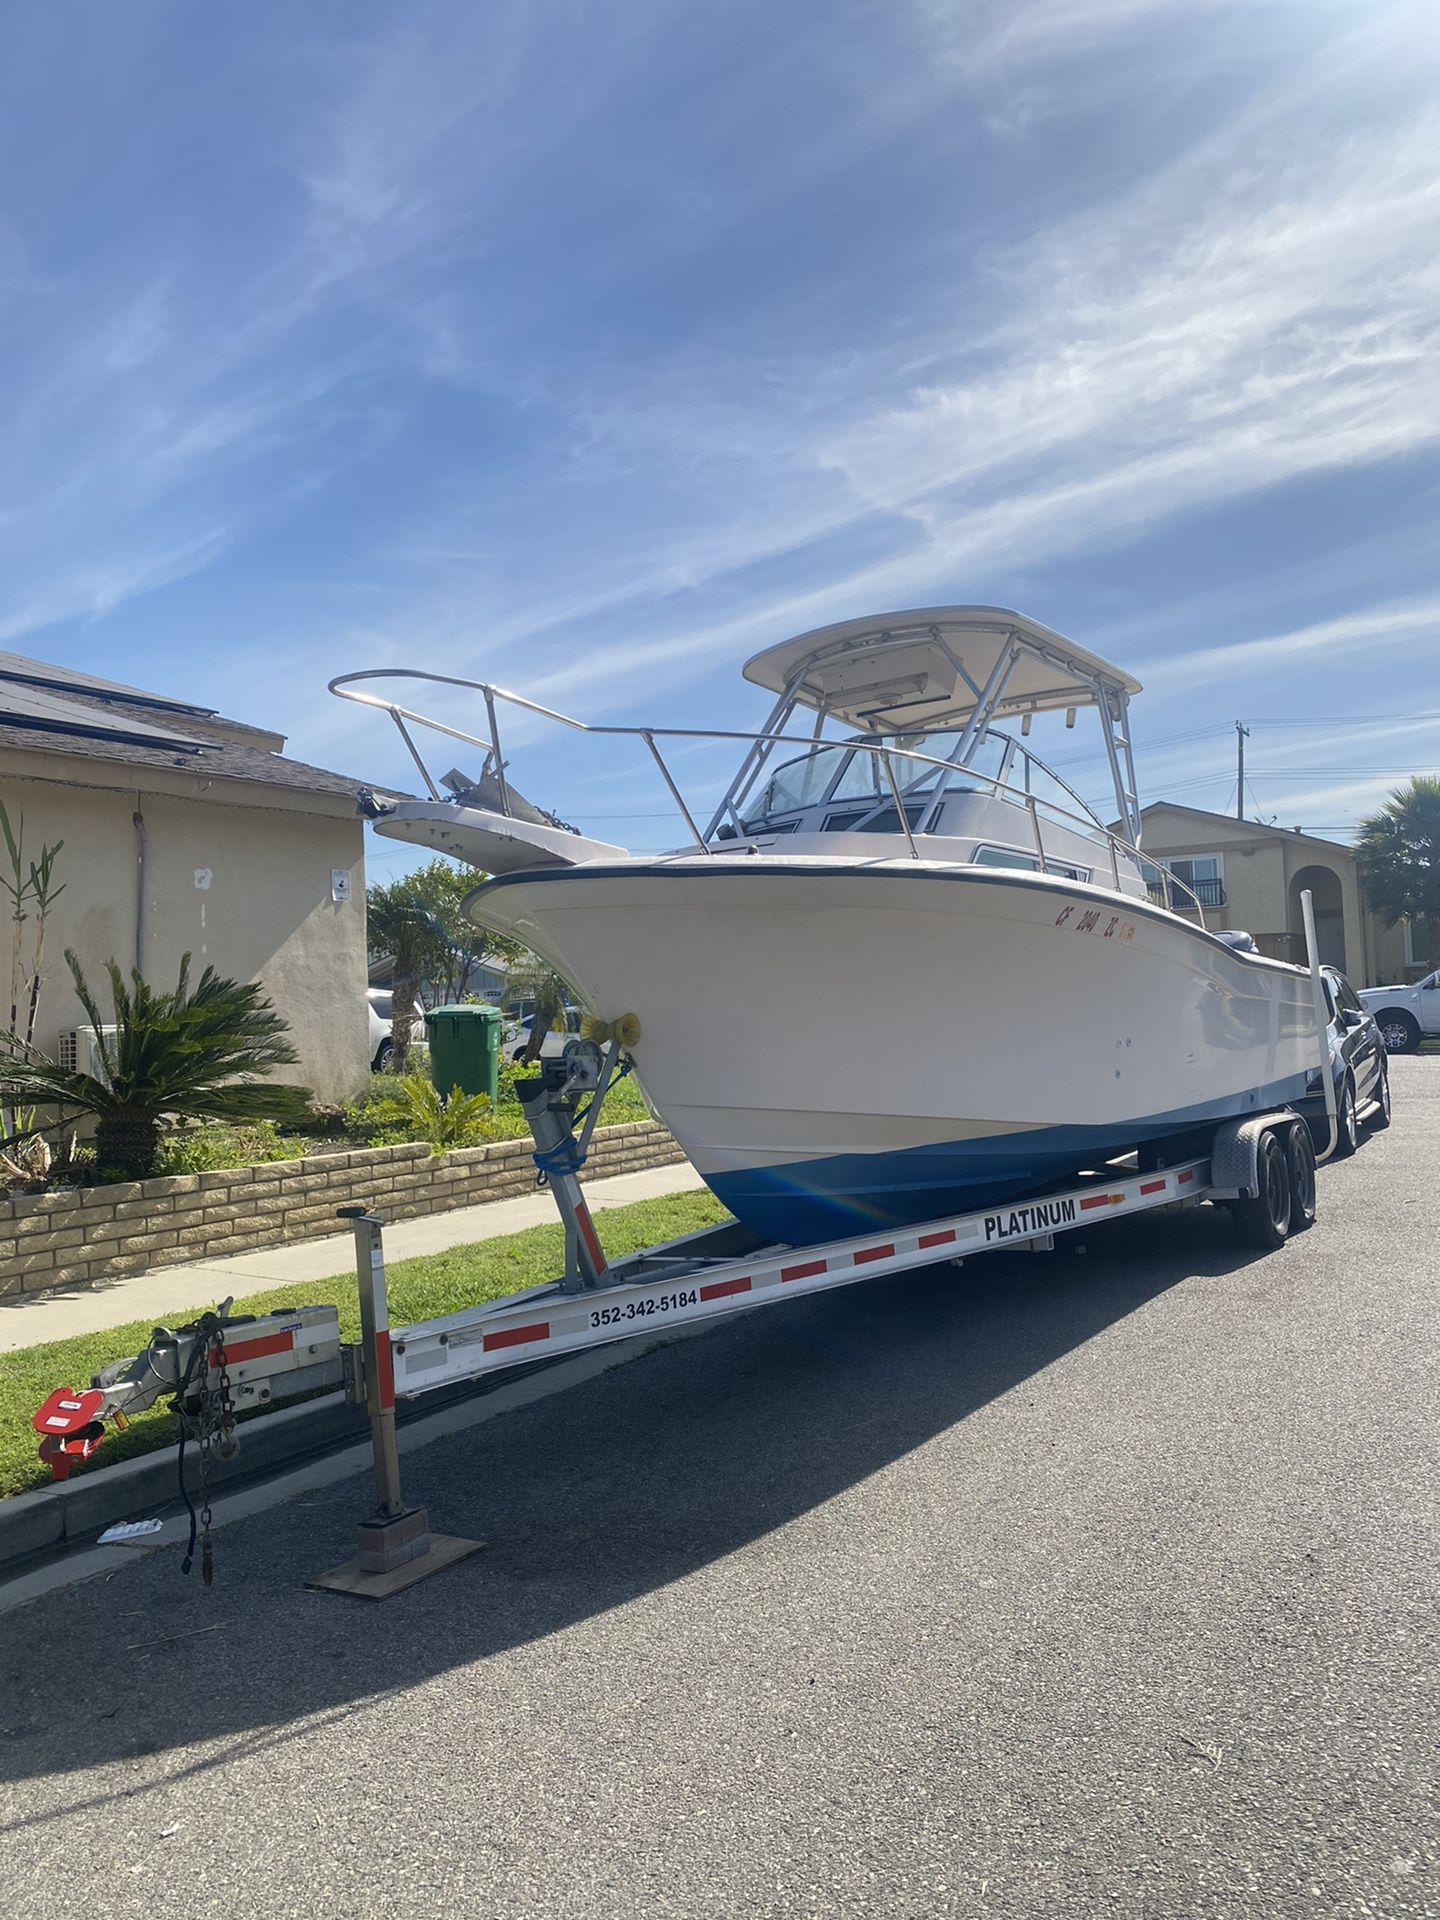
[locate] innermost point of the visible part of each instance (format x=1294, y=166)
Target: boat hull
x=839, y=1046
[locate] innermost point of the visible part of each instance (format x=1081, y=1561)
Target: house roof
x=50, y=709
x=1250, y=828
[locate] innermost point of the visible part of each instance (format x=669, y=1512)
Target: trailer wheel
x=1264, y=1221
x=1301, y=1154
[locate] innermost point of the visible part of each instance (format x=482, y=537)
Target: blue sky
x=592, y=348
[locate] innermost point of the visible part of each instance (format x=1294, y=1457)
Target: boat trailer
x=1262, y=1165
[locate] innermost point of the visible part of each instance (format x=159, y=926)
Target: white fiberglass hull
x=838, y=1045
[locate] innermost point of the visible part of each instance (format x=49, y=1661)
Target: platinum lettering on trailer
x=1019, y=1223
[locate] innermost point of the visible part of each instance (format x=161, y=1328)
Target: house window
x=1417, y=943
x=1202, y=873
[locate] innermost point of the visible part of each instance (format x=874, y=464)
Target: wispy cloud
x=1358, y=635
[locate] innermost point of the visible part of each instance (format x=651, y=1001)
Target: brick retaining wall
x=103, y=1233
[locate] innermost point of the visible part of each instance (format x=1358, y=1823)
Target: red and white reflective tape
x=237, y=1352
x=589, y=1236
x=723, y=1289
x=517, y=1336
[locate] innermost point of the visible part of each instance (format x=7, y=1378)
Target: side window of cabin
x=1006, y=857
x=853, y=820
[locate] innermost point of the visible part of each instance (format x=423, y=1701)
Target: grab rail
x=343, y=685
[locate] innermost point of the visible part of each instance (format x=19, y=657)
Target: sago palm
x=190, y=1053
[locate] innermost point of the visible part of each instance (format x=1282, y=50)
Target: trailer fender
x=1235, y=1153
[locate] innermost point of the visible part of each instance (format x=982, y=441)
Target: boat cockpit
x=924, y=762
x=1000, y=807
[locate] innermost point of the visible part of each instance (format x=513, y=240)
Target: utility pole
x=1242, y=734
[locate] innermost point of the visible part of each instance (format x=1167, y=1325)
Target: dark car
x=1358, y=1066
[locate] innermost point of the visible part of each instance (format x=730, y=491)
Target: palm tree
x=188, y=1054
x=419, y=923
x=1399, y=854
x=399, y=923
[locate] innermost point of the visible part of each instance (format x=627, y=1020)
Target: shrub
x=204, y=1149
x=409, y=1108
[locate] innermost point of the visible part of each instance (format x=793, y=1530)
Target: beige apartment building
x=1252, y=876
x=188, y=832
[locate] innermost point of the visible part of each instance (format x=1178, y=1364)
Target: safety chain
x=202, y=1441
x=214, y=1432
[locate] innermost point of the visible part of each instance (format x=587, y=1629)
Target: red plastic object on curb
x=72, y=1433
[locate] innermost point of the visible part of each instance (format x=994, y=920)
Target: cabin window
x=866, y=820
x=1006, y=857
x=1027, y=862
x=861, y=780
x=987, y=759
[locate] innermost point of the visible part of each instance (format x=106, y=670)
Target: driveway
x=1059, y=1585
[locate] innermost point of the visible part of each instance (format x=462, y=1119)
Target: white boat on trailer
x=1057, y=1010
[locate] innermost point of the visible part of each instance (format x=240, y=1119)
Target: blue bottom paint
x=851, y=1193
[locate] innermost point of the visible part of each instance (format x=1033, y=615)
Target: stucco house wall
x=1265, y=869
x=238, y=870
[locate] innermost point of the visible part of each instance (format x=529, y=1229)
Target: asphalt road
x=1056, y=1586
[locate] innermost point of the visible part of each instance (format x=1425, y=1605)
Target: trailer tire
x=1265, y=1220
x=1301, y=1156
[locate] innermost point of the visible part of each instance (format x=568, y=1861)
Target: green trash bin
x=464, y=1049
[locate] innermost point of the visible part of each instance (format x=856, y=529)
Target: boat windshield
x=841, y=773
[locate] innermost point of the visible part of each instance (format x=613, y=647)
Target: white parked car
x=517, y=1037
x=380, y=1005
x=1404, y=1015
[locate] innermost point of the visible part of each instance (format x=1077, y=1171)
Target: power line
x=1348, y=720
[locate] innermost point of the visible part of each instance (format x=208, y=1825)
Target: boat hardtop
x=929, y=668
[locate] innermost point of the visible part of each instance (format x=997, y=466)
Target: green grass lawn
x=419, y=1289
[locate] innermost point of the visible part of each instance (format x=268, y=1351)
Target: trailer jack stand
x=394, y=1546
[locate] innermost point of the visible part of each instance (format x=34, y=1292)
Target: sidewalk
x=168, y=1292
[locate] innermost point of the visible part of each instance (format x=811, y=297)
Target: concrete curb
x=58, y=1516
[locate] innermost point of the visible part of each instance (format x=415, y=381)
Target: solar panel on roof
x=40, y=673
x=22, y=705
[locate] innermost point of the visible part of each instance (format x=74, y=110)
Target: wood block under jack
x=393, y=1555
